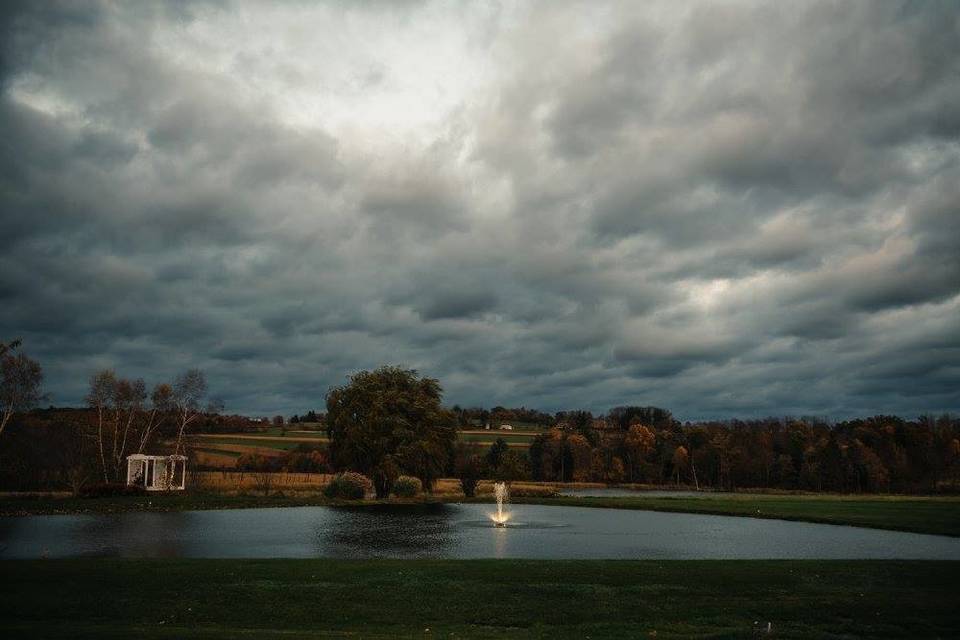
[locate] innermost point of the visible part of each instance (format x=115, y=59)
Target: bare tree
x=129, y=404
x=99, y=398
x=21, y=380
x=189, y=393
x=162, y=403
x=123, y=419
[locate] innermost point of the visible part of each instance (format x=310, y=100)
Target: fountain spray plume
x=503, y=495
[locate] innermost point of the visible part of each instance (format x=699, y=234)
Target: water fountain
x=502, y=494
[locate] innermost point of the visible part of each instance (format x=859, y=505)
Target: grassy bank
x=476, y=599
x=10, y=506
x=901, y=513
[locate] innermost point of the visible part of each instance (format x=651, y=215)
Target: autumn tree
x=495, y=454
x=680, y=460
x=638, y=444
x=580, y=451
x=389, y=421
x=513, y=466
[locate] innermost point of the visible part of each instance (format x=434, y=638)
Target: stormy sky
x=726, y=209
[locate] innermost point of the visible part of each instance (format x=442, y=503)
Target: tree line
x=391, y=422
x=876, y=454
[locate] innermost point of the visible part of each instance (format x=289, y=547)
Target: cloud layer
x=726, y=209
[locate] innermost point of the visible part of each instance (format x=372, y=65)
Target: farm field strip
x=245, y=436
x=493, y=435
x=209, y=440
x=240, y=449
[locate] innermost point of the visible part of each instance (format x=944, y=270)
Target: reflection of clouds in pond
x=452, y=531
x=136, y=535
x=417, y=531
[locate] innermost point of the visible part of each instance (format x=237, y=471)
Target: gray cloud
x=726, y=209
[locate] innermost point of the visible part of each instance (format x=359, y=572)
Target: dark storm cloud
x=723, y=208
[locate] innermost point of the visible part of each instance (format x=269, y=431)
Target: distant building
x=506, y=427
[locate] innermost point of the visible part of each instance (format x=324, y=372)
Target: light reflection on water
x=451, y=531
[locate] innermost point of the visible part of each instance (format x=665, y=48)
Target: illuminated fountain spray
x=503, y=494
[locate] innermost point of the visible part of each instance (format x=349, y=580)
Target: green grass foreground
x=476, y=599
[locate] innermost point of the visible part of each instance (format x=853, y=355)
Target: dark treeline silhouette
x=646, y=445
x=60, y=447
x=54, y=448
x=309, y=417
x=478, y=417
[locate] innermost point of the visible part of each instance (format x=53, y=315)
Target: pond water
x=451, y=531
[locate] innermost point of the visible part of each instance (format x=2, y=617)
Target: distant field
x=489, y=437
x=239, y=443
x=517, y=426
x=219, y=452
x=291, y=429
x=256, y=442
x=553, y=599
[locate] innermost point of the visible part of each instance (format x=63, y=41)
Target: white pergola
x=157, y=473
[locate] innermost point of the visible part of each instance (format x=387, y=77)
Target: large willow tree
x=387, y=422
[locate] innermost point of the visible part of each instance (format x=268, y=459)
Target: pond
x=451, y=531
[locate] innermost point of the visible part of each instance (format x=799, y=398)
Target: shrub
x=263, y=481
x=257, y=462
x=407, y=487
x=348, y=486
x=469, y=469
x=468, y=484
x=111, y=489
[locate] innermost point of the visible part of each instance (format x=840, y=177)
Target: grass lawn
x=299, y=429
x=10, y=506
x=476, y=599
x=903, y=513
x=510, y=437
